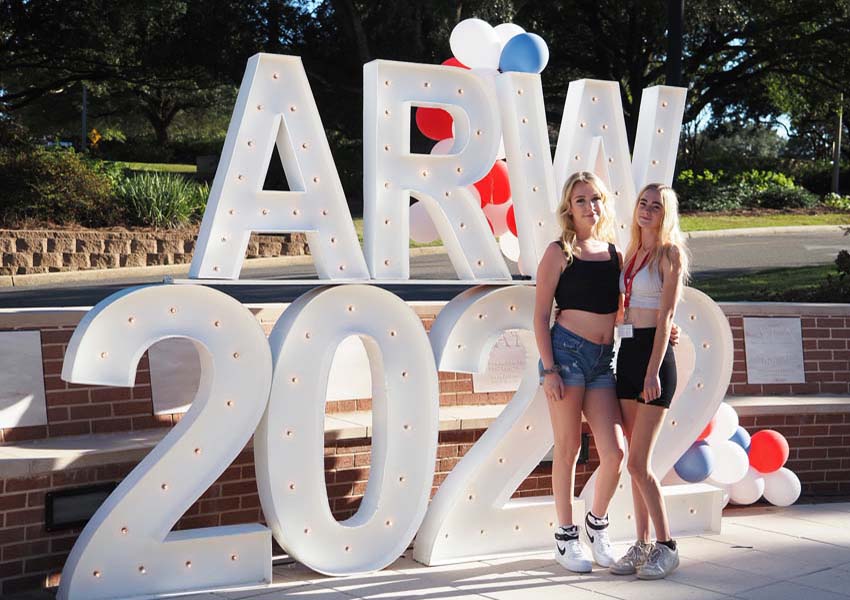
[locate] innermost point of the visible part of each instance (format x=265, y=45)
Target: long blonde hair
x=603, y=230
x=669, y=234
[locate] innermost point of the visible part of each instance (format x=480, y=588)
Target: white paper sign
x=504, y=367
x=774, y=348
x=22, y=401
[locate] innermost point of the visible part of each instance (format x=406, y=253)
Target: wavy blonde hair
x=669, y=234
x=604, y=229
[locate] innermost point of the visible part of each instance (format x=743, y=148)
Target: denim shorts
x=583, y=363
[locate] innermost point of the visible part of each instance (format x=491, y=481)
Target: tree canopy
x=743, y=61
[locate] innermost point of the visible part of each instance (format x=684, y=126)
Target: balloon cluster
x=486, y=50
x=745, y=467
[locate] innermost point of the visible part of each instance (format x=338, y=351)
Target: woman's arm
x=621, y=310
x=548, y=273
x=671, y=288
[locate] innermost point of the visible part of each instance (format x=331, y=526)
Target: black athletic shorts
x=632, y=360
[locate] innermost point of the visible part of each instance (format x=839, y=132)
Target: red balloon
x=707, y=431
x=485, y=189
x=453, y=62
x=510, y=218
x=434, y=123
x=768, y=451
x=495, y=186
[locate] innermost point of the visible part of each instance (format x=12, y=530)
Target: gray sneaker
x=661, y=562
x=635, y=556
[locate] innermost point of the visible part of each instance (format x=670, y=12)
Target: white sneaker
x=661, y=562
x=572, y=555
x=600, y=544
x=634, y=557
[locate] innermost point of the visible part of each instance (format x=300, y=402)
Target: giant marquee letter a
x=275, y=107
x=391, y=174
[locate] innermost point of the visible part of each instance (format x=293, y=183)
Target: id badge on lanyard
x=626, y=330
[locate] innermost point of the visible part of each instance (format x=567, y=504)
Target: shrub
x=837, y=201
x=154, y=199
x=776, y=196
x=762, y=180
x=53, y=186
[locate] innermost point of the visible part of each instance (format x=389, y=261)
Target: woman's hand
x=674, y=334
x=651, y=387
x=553, y=386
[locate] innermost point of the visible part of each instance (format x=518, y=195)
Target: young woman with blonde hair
x=652, y=281
x=580, y=272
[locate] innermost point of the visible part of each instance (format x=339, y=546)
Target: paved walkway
x=799, y=553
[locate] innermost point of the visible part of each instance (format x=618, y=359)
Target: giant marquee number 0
x=275, y=388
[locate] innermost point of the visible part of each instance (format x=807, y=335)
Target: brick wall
x=31, y=557
x=77, y=410
x=819, y=448
x=46, y=251
x=826, y=354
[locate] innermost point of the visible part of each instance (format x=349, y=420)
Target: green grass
x=758, y=285
x=710, y=223
x=163, y=167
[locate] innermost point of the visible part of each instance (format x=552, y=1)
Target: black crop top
x=590, y=285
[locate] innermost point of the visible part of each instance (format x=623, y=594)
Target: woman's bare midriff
x=593, y=327
x=643, y=317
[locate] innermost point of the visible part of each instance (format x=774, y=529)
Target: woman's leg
x=565, y=415
x=647, y=425
x=629, y=409
x=603, y=415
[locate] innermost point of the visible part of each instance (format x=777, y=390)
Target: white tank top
x=646, y=288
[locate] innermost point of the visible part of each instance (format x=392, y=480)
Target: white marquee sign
x=275, y=389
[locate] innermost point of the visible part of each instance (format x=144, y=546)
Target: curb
x=765, y=230
x=182, y=271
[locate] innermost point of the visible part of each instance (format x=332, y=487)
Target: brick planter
x=47, y=251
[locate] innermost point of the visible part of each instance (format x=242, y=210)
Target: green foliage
x=154, y=199
x=837, y=201
x=779, y=197
x=53, y=187
x=717, y=191
x=763, y=180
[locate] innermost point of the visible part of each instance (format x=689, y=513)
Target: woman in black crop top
x=581, y=272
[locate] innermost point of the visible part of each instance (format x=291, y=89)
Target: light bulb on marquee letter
x=593, y=109
x=275, y=107
x=535, y=197
x=288, y=445
x=473, y=516
x=706, y=347
x=133, y=526
x=391, y=174
x=657, y=138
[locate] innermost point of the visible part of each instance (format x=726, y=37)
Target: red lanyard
x=629, y=276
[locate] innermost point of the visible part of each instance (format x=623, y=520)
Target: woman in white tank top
x=655, y=269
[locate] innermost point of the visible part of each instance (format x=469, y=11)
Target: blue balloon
x=742, y=438
x=526, y=53
x=696, y=463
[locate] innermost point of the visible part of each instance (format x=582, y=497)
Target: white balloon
x=782, y=487
x=475, y=44
x=422, y=228
x=443, y=146
x=730, y=462
x=509, y=245
x=501, y=155
x=475, y=193
x=725, y=424
x=749, y=489
x=497, y=213
x=506, y=31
